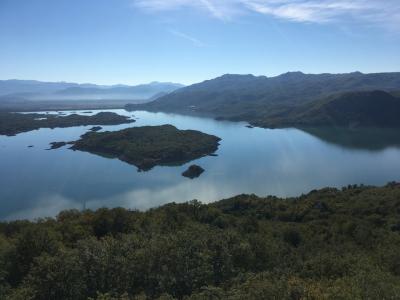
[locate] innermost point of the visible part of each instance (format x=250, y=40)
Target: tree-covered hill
x=353, y=109
x=328, y=244
x=247, y=97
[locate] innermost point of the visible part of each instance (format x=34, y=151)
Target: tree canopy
x=328, y=244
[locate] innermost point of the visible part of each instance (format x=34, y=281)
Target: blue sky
x=187, y=41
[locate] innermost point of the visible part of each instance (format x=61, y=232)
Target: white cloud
x=221, y=9
x=45, y=206
x=186, y=37
x=384, y=13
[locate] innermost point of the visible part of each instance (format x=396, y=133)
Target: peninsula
x=14, y=123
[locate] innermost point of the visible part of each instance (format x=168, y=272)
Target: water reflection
x=283, y=162
x=373, y=139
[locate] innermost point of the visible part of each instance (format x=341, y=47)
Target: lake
x=36, y=182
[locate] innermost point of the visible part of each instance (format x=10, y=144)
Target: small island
x=96, y=128
x=149, y=146
x=193, y=171
x=57, y=145
x=14, y=123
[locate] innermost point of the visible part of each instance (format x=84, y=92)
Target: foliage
x=328, y=244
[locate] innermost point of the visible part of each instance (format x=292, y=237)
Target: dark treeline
x=329, y=244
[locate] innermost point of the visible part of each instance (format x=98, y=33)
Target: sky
x=188, y=41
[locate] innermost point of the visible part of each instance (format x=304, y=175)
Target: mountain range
x=294, y=98
x=31, y=90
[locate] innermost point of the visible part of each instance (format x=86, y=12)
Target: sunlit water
x=283, y=162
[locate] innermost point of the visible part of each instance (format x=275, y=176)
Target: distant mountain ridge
x=17, y=86
x=258, y=99
x=37, y=90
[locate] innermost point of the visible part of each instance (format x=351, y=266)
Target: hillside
x=247, y=97
x=328, y=244
x=354, y=109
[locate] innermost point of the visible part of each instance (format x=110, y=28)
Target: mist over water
x=283, y=162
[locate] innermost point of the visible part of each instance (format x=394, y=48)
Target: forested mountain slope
x=247, y=97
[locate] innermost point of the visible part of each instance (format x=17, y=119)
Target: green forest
x=328, y=244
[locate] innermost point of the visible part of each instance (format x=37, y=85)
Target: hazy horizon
x=170, y=82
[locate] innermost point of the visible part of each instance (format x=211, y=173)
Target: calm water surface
x=35, y=182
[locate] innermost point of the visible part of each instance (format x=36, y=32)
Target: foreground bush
x=329, y=244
